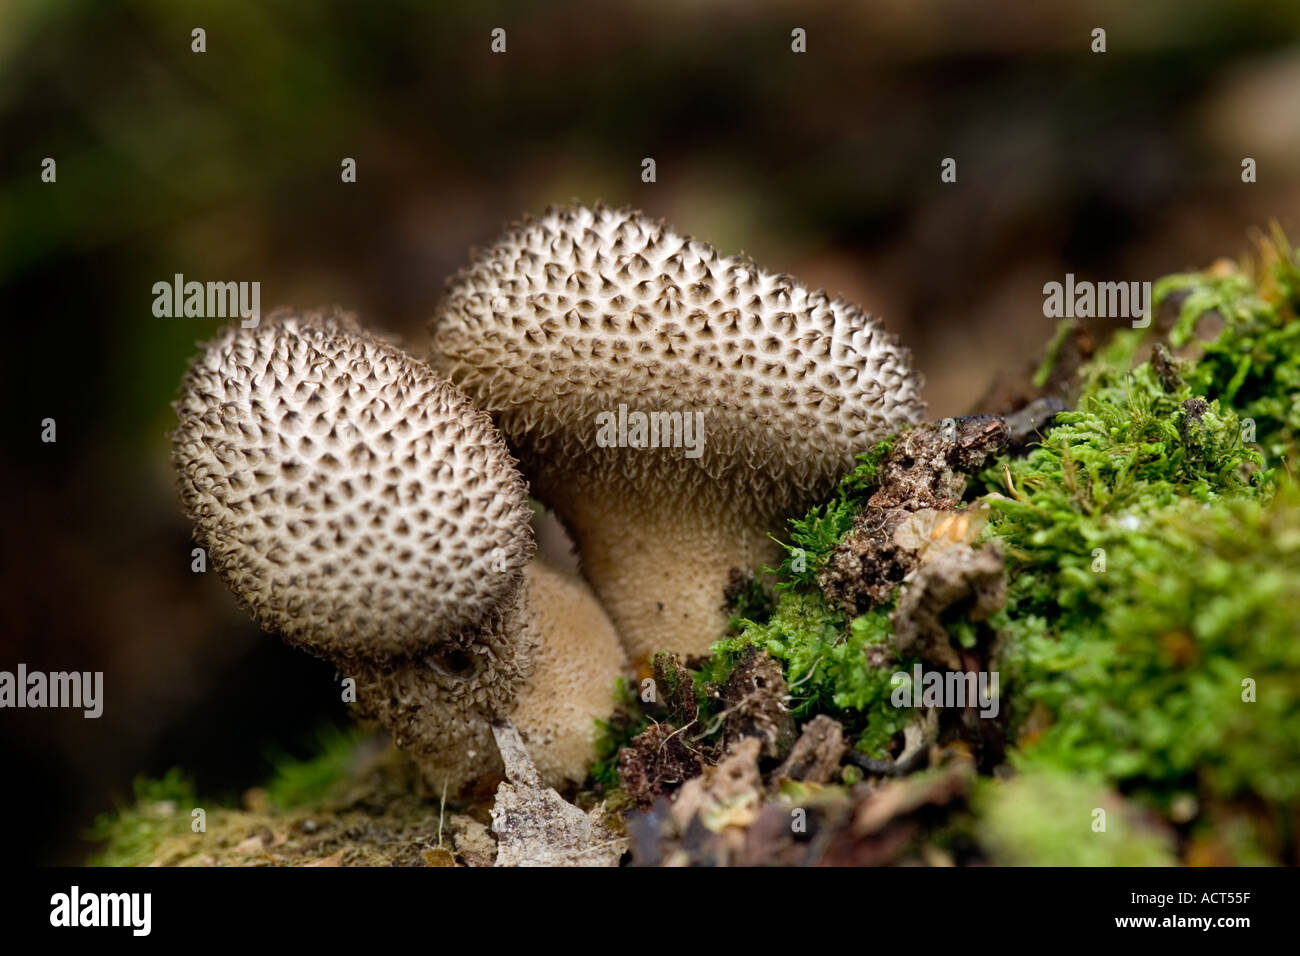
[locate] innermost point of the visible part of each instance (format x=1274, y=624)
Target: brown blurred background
x=226, y=166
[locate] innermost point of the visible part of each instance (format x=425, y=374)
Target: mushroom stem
x=576, y=667
x=562, y=657
x=438, y=703
x=662, y=572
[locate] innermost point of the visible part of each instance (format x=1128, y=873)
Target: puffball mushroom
x=673, y=406
x=363, y=508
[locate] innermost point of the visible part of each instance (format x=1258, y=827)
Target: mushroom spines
x=573, y=314
x=354, y=501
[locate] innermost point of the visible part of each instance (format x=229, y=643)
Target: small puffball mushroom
x=673, y=406
x=360, y=506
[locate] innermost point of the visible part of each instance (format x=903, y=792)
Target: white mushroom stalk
x=673, y=406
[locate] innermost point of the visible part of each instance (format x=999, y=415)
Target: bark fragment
x=655, y=763
x=534, y=824
x=816, y=756
x=675, y=688
x=962, y=578
x=726, y=794
x=925, y=473
x=755, y=700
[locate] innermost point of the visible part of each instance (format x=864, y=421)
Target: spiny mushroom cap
x=573, y=314
x=354, y=501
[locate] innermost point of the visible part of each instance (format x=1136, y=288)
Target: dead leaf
x=438, y=856
x=535, y=826
x=334, y=859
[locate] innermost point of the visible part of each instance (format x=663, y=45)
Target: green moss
x=1052, y=353
x=1042, y=818
x=376, y=816
x=614, y=734
x=1155, y=563
x=825, y=664
x=1253, y=363
x=1142, y=666
x=751, y=602
x=822, y=652
x=298, y=783
x=161, y=808
x=814, y=536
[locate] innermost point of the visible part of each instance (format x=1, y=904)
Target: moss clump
x=826, y=665
x=1253, y=364
x=823, y=652
x=613, y=735
x=814, y=536
x=749, y=599
x=304, y=805
x=1145, y=670
x=160, y=809
x=1048, y=818
x=301, y=782
x=1153, y=549
x=1149, y=633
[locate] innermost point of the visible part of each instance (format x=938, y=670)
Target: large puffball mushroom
x=360, y=506
x=673, y=406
